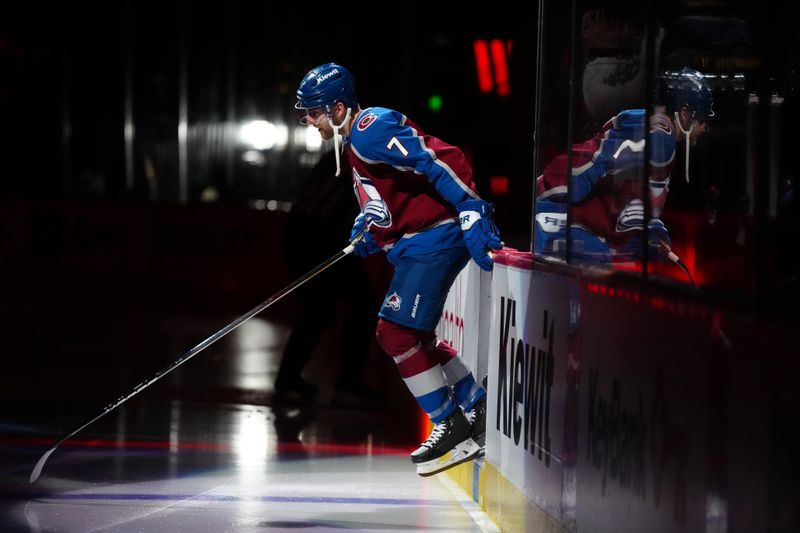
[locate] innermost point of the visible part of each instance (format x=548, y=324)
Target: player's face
x=310, y=116
x=317, y=117
x=699, y=127
x=324, y=127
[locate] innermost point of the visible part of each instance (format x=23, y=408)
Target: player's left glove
x=480, y=233
x=658, y=241
x=364, y=245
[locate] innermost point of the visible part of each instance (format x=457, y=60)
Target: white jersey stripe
x=403, y=356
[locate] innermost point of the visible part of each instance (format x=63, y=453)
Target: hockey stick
x=37, y=470
x=677, y=260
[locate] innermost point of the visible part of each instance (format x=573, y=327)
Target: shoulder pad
x=372, y=131
x=661, y=122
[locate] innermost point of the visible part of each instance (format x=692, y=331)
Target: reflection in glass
x=605, y=179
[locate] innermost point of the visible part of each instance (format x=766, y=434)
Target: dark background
x=70, y=72
x=108, y=272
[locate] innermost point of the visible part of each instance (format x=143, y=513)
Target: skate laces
x=471, y=416
x=437, y=433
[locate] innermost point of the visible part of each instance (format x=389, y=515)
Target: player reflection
x=606, y=180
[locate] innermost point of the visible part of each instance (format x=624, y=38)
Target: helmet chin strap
x=337, y=139
x=687, y=135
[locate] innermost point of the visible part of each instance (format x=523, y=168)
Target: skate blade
x=465, y=451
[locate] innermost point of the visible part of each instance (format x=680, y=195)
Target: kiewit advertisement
x=527, y=382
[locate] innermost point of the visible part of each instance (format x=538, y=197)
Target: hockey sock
x=456, y=372
x=465, y=389
x=420, y=371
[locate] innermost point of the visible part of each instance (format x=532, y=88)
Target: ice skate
x=448, y=445
x=297, y=392
x=477, y=419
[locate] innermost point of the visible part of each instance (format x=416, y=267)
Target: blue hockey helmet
x=687, y=87
x=325, y=85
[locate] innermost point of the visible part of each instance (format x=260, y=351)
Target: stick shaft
x=194, y=351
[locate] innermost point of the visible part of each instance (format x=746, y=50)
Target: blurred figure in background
x=613, y=40
x=323, y=211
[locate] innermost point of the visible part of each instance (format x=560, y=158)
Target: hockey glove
x=480, y=233
x=376, y=212
x=658, y=243
x=361, y=239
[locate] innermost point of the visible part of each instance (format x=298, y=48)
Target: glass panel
x=552, y=134
x=706, y=62
x=714, y=205
x=595, y=188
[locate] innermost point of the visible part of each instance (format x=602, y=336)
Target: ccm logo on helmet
x=366, y=121
x=323, y=77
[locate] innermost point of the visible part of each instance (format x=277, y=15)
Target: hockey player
x=419, y=206
x=607, y=209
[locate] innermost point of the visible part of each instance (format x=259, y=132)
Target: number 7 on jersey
x=393, y=142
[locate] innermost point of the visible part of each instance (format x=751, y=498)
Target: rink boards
x=613, y=406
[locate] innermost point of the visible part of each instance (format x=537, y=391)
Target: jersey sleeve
x=662, y=155
x=388, y=139
x=662, y=140
x=619, y=146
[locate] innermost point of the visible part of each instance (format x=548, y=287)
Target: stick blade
x=37, y=470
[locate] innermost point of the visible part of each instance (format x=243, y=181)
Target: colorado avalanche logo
x=393, y=302
x=631, y=217
x=366, y=121
x=372, y=205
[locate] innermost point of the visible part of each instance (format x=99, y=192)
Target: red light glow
x=482, y=66
x=498, y=184
x=500, y=67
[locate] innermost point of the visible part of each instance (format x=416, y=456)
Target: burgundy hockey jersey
x=407, y=182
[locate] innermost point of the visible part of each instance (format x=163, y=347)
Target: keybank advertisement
x=643, y=439
x=527, y=369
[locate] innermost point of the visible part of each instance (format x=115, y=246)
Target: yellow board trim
x=505, y=504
